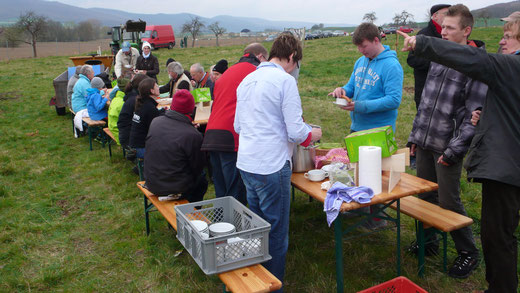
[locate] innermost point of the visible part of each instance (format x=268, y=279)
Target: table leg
x=398, y=224
x=421, y=244
x=338, y=234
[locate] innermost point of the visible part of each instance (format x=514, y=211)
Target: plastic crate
x=216, y=254
x=397, y=285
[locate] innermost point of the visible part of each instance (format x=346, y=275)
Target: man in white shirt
x=126, y=59
x=269, y=121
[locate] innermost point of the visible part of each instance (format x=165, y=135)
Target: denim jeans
x=140, y=152
x=269, y=197
x=226, y=176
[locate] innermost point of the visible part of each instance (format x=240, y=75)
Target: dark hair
x=145, y=88
x=466, y=18
x=365, y=31
x=183, y=85
x=284, y=45
x=255, y=49
x=134, y=84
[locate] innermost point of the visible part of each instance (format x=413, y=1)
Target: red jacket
x=220, y=134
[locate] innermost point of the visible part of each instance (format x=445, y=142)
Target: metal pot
x=303, y=158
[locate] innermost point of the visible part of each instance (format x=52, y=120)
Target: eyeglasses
x=506, y=37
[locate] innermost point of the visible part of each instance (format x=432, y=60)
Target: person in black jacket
x=493, y=154
x=124, y=123
x=145, y=111
x=174, y=161
x=147, y=63
x=420, y=65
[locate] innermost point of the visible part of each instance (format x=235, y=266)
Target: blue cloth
x=96, y=104
x=140, y=152
x=79, y=94
x=113, y=92
x=226, y=176
x=339, y=193
x=268, y=118
x=269, y=197
x=376, y=88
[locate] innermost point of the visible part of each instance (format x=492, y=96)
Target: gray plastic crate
x=216, y=254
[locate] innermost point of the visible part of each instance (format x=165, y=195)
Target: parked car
x=390, y=30
x=159, y=36
x=406, y=29
x=338, y=33
x=310, y=36
x=270, y=38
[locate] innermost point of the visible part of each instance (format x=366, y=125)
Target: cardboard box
x=381, y=136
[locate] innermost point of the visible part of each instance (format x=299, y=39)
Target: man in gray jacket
x=441, y=135
x=493, y=155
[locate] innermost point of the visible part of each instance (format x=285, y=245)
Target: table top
x=162, y=104
x=408, y=185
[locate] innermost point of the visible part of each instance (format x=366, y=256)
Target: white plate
x=201, y=226
x=339, y=105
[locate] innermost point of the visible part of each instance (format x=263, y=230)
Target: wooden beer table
x=408, y=185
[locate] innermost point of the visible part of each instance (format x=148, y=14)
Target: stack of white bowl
x=202, y=228
x=221, y=229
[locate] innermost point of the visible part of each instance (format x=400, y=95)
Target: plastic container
x=248, y=245
x=397, y=285
x=60, y=89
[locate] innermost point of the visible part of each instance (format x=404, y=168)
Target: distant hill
x=498, y=10
x=64, y=13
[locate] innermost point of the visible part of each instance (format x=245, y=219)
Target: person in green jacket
x=115, y=107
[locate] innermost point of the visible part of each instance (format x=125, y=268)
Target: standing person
x=147, y=63
x=174, y=161
x=200, y=78
x=493, y=155
x=441, y=136
x=375, y=87
x=126, y=59
x=145, y=111
x=220, y=139
x=420, y=65
x=79, y=94
x=70, y=85
x=268, y=119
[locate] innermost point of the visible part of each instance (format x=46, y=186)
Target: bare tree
x=370, y=17
x=403, y=18
x=31, y=26
x=397, y=19
x=217, y=30
x=193, y=27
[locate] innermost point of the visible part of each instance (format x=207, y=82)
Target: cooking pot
x=303, y=158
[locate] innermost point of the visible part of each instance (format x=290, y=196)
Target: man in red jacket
x=221, y=140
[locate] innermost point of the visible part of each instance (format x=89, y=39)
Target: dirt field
x=45, y=49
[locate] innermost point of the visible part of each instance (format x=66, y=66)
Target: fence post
x=7, y=49
x=79, y=45
x=56, y=46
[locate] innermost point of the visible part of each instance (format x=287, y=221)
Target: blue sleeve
x=392, y=79
x=99, y=102
x=113, y=92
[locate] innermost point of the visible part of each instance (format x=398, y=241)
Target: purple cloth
x=339, y=193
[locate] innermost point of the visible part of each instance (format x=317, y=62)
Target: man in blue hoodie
x=376, y=83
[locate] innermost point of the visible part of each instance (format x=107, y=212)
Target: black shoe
x=429, y=249
x=463, y=266
x=135, y=170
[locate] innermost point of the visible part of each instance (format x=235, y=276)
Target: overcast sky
x=316, y=11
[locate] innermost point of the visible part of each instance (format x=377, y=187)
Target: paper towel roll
x=370, y=168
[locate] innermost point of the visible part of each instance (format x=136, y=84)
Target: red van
x=159, y=36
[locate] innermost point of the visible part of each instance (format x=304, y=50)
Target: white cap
x=146, y=44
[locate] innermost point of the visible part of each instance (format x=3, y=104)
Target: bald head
x=258, y=50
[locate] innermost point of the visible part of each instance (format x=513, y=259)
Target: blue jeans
x=269, y=197
x=140, y=152
x=226, y=176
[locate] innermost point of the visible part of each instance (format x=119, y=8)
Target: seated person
x=200, y=78
x=145, y=111
x=115, y=108
x=79, y=92
x=128, y=75
x=70, y=85
x=218, y=69
x=124, y=123
x=174, y=161
x=176, y=73
x=97, y=104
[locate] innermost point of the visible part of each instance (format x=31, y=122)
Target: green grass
x=72, y=220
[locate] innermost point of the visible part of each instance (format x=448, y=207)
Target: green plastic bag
x=201, y=95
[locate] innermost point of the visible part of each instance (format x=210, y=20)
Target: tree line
x=31, y=28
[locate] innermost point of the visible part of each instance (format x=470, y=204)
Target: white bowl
x=327, y=168
x=201, y=226
x=221, y=228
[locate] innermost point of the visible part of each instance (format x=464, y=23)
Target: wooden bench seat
x=428, y=215
x=254, y=278
x=93, y=124
x=111, y=140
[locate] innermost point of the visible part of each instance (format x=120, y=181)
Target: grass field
x=72, y=220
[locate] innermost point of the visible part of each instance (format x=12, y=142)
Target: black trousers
x=500, y=207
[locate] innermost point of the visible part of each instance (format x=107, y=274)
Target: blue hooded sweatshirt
x=96, y=104
x=79, y=92
x=376, y=88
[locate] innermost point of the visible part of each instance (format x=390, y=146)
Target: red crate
x=397, y=285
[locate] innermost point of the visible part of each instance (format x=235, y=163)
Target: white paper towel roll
x=370, y=168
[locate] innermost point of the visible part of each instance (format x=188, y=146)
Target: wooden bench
x=428, y=215
x=111, y=139
x=254, y=278
x=93, y=124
